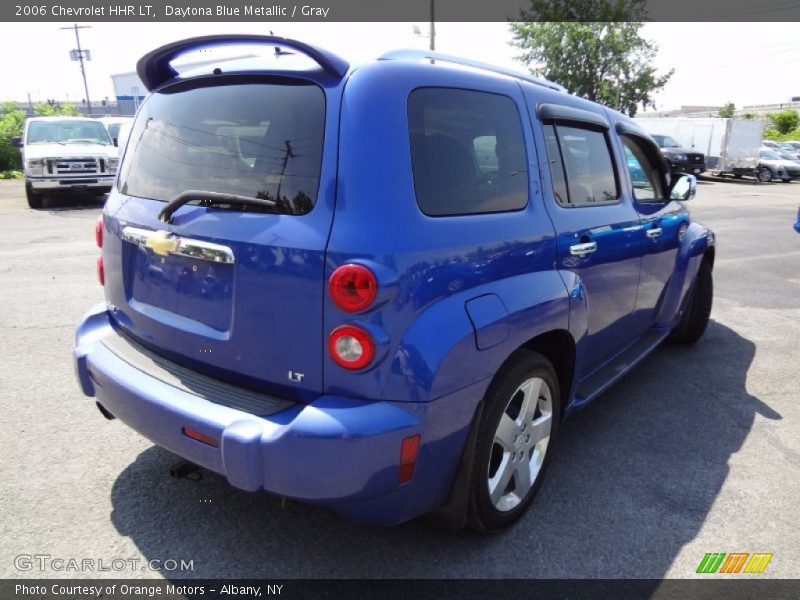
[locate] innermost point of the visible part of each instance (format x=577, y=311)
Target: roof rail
x=427, y=54
x=154, y=68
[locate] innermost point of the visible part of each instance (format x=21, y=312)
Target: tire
x=695, y=319
x=764, y=174
x=511, y=444
x=34, y=200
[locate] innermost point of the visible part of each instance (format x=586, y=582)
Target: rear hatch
x=230, y=288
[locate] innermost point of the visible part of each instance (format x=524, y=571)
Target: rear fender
x=450, y=346
x=696, y=242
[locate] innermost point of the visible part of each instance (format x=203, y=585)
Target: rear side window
x=467, y=152
x=262, y=140
x=581, y=165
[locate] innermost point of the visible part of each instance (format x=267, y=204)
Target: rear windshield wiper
x=192, y=195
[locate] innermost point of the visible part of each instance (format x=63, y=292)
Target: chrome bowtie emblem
x=163, y=243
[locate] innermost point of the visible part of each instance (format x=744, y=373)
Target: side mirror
x=683, y=187
x=115, y=141
x=16, y=141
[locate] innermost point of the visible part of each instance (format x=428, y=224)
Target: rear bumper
x=337, y=451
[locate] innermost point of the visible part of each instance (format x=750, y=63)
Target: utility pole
x=75, y=26
x=433, y=27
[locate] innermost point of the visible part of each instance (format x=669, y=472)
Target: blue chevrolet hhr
x=380, y=289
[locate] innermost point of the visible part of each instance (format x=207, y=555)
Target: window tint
x=645, y=175
x=556, y=165
x=467, y=152
x=588, y=165
x=262, y=140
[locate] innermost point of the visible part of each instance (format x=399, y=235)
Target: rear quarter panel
x=431, y=267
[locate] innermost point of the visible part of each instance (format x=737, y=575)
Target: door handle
x=654, y=232
x=583, y=249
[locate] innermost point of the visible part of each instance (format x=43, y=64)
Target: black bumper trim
x=192, y=382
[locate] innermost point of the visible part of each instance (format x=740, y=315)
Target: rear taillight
x=101, y=273
x=408, y=458
x=351, y=347
x=98, y=232
x=353, y=287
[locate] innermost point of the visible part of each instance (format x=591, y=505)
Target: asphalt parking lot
x=696, y=451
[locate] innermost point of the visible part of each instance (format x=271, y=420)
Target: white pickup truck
x=66, y=154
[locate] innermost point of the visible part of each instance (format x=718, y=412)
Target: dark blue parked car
x=380, y=289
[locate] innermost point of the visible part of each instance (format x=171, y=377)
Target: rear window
x=467, y=152
x=261, y=140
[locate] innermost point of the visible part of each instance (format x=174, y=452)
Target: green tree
x=602, y=57
x=728, y=110
x=11, y=123
x=54, y=109
x=785, y=121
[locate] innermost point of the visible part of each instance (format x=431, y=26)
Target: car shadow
x=63, y=202
x=633, y=478
x=745, y=180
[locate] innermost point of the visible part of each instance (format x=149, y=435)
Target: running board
x=600, y=380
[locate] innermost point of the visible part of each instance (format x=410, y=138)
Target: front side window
x=645, y=175
x=260, y=140
x=467, y=152
x=113, y=129
x=581, y=165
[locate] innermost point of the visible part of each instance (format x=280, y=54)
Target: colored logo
x=162, y=243
x=734, y=562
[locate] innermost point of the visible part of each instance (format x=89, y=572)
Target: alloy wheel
x=520, y=443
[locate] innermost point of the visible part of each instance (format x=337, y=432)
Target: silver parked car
x=771, y=165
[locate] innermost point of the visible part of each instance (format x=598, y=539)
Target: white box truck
x=730, y=145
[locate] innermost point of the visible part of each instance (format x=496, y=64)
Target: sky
x=715, y=63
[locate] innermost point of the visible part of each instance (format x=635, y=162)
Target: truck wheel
x=698, y=310
x=34, y=199
x=764, y=174
x=512, y=449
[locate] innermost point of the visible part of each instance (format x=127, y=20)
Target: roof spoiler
x=154, y=68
